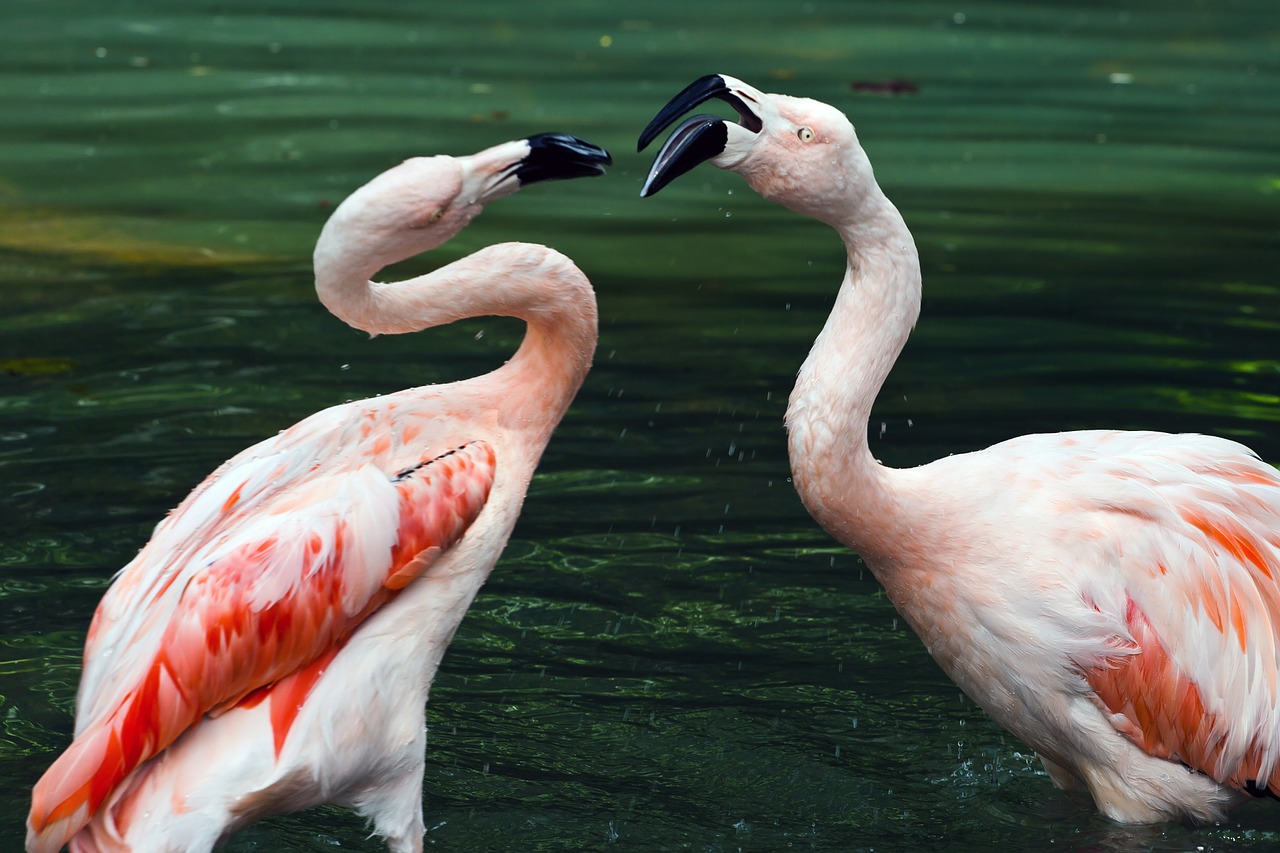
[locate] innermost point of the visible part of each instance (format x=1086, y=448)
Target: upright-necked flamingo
x=272, y=645
x=1111, y=598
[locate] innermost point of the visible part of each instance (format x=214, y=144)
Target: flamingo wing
x=1196, y=599
x=277, y=569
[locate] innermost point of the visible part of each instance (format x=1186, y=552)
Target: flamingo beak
x=559, y=156
x=698, y=138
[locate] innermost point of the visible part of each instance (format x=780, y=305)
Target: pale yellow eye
x=805, y=134
x=435, y=217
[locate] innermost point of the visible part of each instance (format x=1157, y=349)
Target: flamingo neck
x=842, y=485
x=523, y=280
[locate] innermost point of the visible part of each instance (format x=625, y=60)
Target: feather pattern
x=244, y=609
x=1198, y=550
x=1111, y=598
x=272, y=646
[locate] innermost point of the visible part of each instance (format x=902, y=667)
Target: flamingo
x=1108, y=597
x=272, y=646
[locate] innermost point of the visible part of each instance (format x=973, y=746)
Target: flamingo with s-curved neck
x=272, y=646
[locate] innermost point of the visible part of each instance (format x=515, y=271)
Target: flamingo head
x=501, y=170
x=801, y=153
x=424, y=201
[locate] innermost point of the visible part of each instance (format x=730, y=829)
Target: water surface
x=671, y=655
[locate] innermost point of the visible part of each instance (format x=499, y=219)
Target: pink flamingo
x=1110, y=598
x=272, y=646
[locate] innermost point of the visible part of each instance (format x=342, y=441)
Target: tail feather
x=71, y=790
x=76, y=785
x=56, y=834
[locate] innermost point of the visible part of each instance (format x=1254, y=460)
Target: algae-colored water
x=672, y=655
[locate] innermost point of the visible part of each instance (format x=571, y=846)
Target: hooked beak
x=501, y=170
x=698, y=138
x=559, y=156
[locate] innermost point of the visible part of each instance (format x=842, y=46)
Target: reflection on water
x=672, y=655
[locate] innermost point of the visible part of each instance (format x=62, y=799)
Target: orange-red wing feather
x=313, y=562
x=1155, y=704
x=1196, y=677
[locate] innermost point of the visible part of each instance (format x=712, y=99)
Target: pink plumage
x=1111, y=598
x=272, y=646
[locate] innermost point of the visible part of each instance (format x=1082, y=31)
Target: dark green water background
x=671, y=656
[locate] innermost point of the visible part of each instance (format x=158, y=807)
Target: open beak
x=698, y=138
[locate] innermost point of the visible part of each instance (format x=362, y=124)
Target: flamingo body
x=1111, y=598
x=272, y=646
x=1112, y=604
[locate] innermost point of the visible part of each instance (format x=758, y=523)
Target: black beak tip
x=700, y=90
x=697, y=139
x=559, y=156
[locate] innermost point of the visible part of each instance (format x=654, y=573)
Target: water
x=671, y=655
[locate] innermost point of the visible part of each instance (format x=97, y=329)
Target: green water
x=671, y=655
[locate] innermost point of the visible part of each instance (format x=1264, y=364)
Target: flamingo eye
x=435, y=217
x=805, y=134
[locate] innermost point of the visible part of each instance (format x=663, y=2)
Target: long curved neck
x=530, y=282
x=842, y=485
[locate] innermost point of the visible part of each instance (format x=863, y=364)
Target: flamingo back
x=259, y=596
x=1195, y=676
